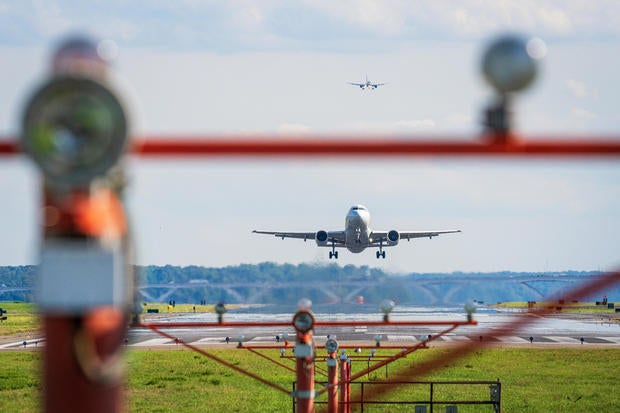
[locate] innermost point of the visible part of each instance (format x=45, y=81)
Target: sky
x=281, y=68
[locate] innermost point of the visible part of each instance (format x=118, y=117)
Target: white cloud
x=416, y=123
x=585, y=114
x=293, y=129
x=577, y=88
x=555, y=19
x=49, y=18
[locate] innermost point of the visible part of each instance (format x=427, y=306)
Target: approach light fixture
x=305, y=304
x=303, y=321
x=378, y=338
x=470, y=309
x=282, y=351
x=331, y=346
x=387, y=306
x=240, y=339
x=220, y=309
x=75, y=129
x=509, y=65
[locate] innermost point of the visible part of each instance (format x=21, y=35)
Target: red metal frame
x=374, y=146
x=364, y=145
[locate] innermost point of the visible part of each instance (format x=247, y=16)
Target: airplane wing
x=356, y=84
x=337, y=237
x=376, y=85
x=382, y=236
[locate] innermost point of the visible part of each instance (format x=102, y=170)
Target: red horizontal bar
x=316, y=324
x=378, y=145
x=373, y=146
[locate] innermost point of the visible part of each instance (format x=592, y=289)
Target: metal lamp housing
x=303, y=321
x=507, y=65
x=75, y=129
x=331, y=345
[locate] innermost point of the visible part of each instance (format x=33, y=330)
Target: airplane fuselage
x=357, y=231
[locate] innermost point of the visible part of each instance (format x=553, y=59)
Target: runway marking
x=401, y=338
x=154, y=342
x=610, y=339
x=563, y=339
x=38, y=342
x=455, y=338
x=209, y=340
x=264, y=338
x=513, y=339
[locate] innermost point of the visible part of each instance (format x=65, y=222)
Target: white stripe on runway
x=455, y=338
x=401, y=338
x=563, y=339
x=29, y=343
x=612, y=339
x=154, y=342
x=209, y=340
x=265, y=338
x=512, y=339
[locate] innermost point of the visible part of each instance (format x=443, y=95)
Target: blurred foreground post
x=304, y=354
x=75, y=129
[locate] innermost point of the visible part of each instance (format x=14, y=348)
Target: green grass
x=20, y=318
x=533, y=380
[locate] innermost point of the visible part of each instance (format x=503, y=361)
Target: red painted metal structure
x=365, y=145
x=332, y=382
x=374, y=146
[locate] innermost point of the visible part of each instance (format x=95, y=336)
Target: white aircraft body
x=357, y=235
x=367, y=85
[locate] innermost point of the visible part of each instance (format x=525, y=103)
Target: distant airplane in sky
x=357, y=235
x=368, y=85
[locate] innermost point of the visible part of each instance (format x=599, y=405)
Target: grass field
x=20, y=318
x=581, y=379
x=533, y=380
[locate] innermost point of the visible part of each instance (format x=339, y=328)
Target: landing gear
x=333, y=253
x=381, y=253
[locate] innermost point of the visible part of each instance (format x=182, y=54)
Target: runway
x=556, y=330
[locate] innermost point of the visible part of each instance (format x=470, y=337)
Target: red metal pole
x=348, y=385
x=344, y=389
x=332, y=383
x=304, y=352
x=81, y=370
x=82, y=363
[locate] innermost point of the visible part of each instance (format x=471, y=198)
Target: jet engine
x=393, y=237
x=321, y=238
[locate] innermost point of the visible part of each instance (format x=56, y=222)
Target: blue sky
x=277, y=67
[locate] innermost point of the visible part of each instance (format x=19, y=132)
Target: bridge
x=435, y=290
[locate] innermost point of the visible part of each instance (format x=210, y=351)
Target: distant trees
x=264, y=284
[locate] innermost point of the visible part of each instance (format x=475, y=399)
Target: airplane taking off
x=357, y=235
x=368, y=85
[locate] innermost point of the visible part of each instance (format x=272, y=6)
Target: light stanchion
x=75, y=129
x=303, y=321
x=331, y=346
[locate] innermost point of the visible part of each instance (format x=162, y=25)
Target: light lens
x=303, y=321
x=507, y=65
x=75, y=129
